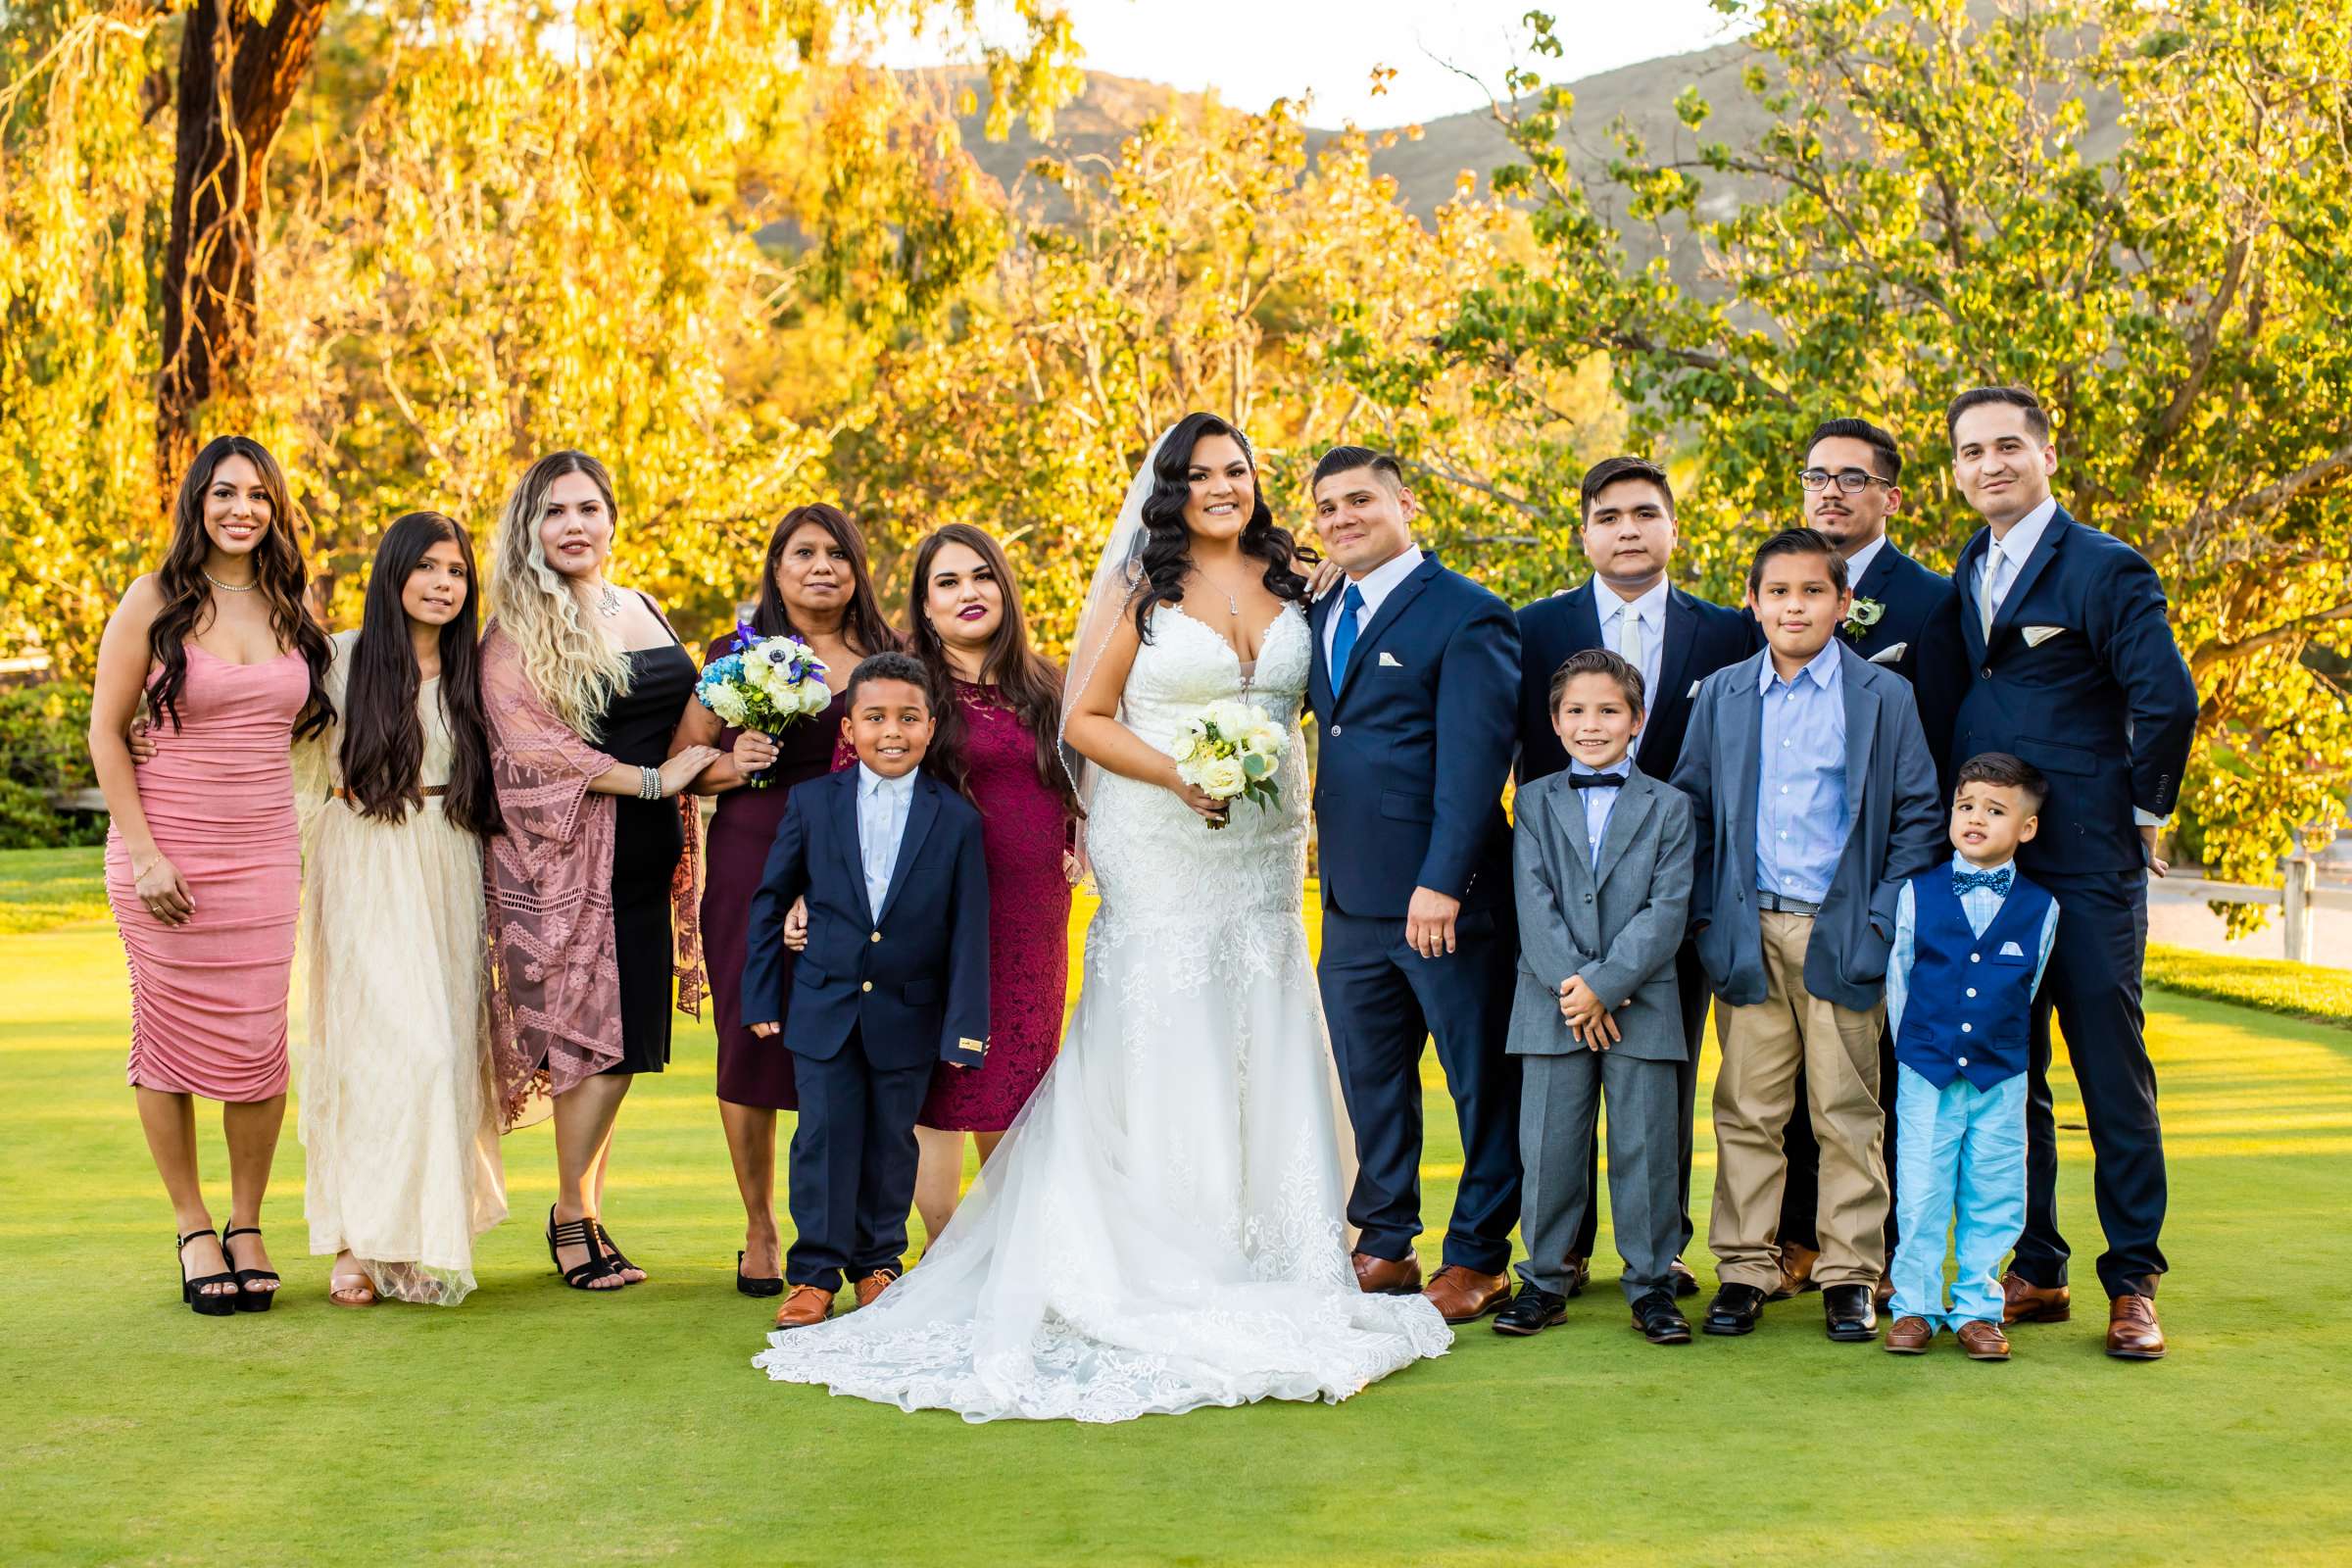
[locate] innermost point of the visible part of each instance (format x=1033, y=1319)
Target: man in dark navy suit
x=1412, y=687
x=1906, y=618
x=2076, y=670
x=1676, y=641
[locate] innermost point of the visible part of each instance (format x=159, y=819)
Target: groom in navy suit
x=1413, y=689
x=2076, y=670
x=1676, y=640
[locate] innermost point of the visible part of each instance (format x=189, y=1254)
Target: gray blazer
x=1617, y=924
x=1898, y=831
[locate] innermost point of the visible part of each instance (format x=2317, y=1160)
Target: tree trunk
x=237, y=79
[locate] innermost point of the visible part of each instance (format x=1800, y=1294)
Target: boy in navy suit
x=1970, y=938
x=892, y=978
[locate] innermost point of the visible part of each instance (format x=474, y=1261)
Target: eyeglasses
x=1851, y=480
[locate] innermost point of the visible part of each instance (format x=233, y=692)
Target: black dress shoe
x=1686, y=1283
x=1850, y=1317
x=1531, y=1311
x=1734, y=1309
x=1660, y=1321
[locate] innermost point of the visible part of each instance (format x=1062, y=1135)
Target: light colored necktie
x=1629, y=636
x=1992, y=578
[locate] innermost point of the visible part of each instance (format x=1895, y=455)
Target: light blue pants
x=1960, y=1164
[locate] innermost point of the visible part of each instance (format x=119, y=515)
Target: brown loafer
x=1910, y=1336
x=2132, y=1332
x=807, y=1304
x=1386, y=1276
x=1796, y=1272
x=1983, y=1340
x=1883, y=1293
x=874, y=1283
x=2024, y=1301
x=1464, y=1295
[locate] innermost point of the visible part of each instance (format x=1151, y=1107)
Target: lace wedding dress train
x=1163, y=1228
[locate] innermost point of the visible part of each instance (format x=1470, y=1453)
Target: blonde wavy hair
x=573, y=668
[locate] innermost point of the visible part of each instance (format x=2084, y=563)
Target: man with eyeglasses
x=1905, y=618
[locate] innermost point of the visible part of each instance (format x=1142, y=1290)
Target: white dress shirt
x=1598, y=802
x=2004, y=557
x=1857, y=565
x=1374, y=586
x=1647, y=618
x=882, y=804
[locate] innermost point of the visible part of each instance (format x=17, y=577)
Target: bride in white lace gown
x=1163, y=1227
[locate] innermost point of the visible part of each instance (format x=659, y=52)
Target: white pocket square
x=1693, y=692
x=1888, y=655
x=2036, y=636
x=1388, y=661
x=2010, y=949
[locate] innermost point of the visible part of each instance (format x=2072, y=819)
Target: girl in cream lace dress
x=398, y=1121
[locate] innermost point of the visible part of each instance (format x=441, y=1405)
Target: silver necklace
x=609, y=601
x=233, y=587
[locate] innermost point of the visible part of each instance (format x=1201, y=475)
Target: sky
x=1254, y=51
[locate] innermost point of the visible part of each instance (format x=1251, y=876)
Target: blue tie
x=1343, y=636
x=1998, y=881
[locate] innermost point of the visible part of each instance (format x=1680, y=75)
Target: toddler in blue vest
x=1970, y=942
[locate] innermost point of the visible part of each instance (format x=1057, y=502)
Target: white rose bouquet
x=1231, y=750
x=764, y=684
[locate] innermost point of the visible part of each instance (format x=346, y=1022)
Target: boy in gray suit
x=1815, y=799
x=1601, y=868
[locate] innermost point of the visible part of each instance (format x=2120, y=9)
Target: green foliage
x=2306, y=990
x=44, y=754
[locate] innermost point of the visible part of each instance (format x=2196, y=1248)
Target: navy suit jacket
x=2105, y=705
x=1701, y=638
x=1898, y=831
x=1415, y=747
x=1921, y=619
x=912, y=977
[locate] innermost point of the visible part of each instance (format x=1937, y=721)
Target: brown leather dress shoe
x=1384, y=1276
x=874, y=1283
x=1885, y=1292
x=2024, y=1301
x=1983, y=1340
x=1464, y=1295
x=1910, y=1336
x=1796, y=1272
x=1580, y=1274
x=2132, y=1332
x=805, y=1305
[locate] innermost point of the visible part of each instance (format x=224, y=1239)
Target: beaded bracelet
x=649, y=783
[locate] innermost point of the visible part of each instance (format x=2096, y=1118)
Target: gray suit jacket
x=1617, y=923
x=1898, y=831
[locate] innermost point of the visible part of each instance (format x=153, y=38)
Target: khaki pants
x=1754, y=1093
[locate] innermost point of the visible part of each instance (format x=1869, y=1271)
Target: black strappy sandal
x=613, y=1249
x=249, y=1299
x=577, y=1233
x=192, y=1292
x=755, y=1287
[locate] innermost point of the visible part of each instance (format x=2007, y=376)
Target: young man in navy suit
x=1905, y=619
x=1412, y=688
x=2075, y=672
x=892, y=978
x=1676, y=641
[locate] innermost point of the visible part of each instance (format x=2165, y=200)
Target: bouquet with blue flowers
x=764, y=684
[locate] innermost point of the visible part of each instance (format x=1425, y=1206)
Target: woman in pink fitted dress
x=1000, y=721
x=203, y=863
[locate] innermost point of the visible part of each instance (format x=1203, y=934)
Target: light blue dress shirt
x=1598, y=802
x=882, y=804
x=1802, y=817
x=1980, y=904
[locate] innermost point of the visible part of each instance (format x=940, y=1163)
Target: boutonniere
x=1861, y=615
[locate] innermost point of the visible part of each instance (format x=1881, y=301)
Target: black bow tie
x=1597, y=781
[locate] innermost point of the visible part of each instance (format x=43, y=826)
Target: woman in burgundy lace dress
x=813, y=585
x=999, y=741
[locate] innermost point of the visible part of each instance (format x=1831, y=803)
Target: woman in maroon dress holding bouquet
x=999, y=742
x=813, y=585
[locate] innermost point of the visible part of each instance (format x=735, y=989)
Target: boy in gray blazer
x=1601, y=870
x=1815, y=799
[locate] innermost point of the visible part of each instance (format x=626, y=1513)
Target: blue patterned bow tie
x=1998, y=881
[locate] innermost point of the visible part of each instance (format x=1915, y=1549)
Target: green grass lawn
x=535, y=1424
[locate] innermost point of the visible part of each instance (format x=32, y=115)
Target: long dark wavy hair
x=1026, y=680
x=1168, y=544
x=383, y=739
x=278, y=571
x=864, y=623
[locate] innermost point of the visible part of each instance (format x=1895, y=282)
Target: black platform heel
x=577, y=1233
x=249, y=1300
x=751, y=1286
x=192, y=1292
